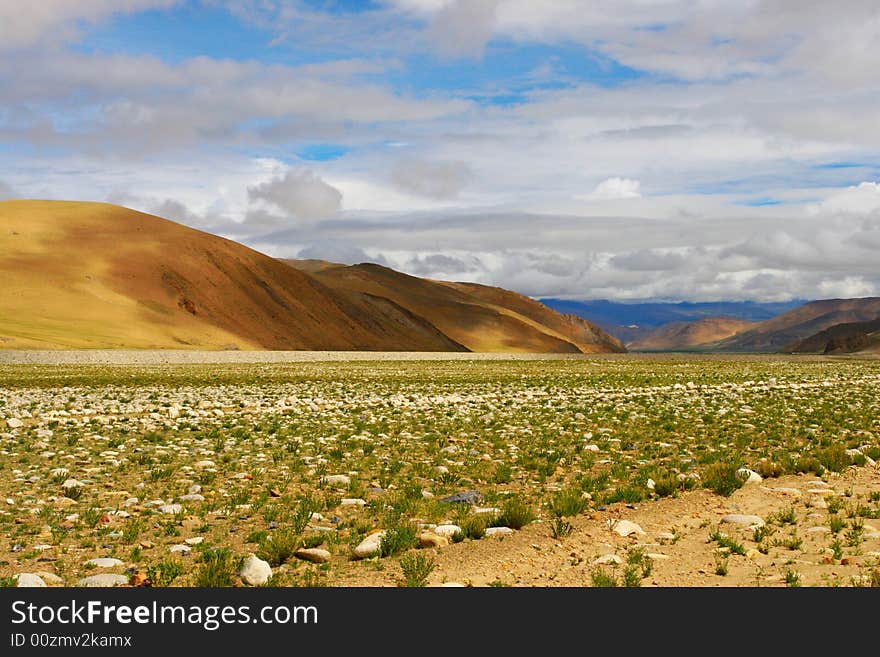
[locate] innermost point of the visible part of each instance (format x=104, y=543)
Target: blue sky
x=730, y=152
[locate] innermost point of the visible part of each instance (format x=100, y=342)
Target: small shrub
x=560, y=528
x=503, y=473
x=218, y=568
x=416, y=568
x=731, y=544
x=515, y=513
x=784, y=517
x=792, y=578
x=278, y=546
x=836, y=524
x=602, y=579
x=569, y=502
x=398, y=538
x=165, y=572
x=626, y=493
x=834, y=458
x=721, y=565
x=722, y=478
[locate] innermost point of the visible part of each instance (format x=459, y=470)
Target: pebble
x=171, y=509
x=315, y=555
x=192, y=497
x=337, y=480
x=650, y=484
x=743, y=519
x=370, y=546
x=14, y=423
x=204, y=464
x=749, y=476
x=51, y=579
x=255, y=571
x=196, y=540
x=72, y=483
x=29, y=581
x=447, y=530
x=104, y=562
x=180, y=548
x=607, y=559
x=431, y=540
x=498, y=531
x=626, y=527
x=103, y=580
x=352, y=501
x=466, y=497
x=657, y=556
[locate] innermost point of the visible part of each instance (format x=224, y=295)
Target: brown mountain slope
x=783, y=330
x=841, y=339
x=478, y=317
x=93, y=275
x=688, y=335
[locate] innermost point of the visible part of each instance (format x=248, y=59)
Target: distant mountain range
x=635, y=321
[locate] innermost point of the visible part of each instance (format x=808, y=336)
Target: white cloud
x=434, y=179
x=299, y=194
x=863, y=198
x=614, y=189
x=462, y=28
x=23, y=24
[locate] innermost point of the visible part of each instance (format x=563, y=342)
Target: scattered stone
x=192, y=497
x=255, y=571
x=821, y=492
x=104, y=562
x=749, y=476
x=352, y=501
x=626, y=527
x=794, y=492
x=340, y=480
x=29, y=581
x=467, y=497
x=315, y=555
x=14, y=423
x=657, y=556
x=370, y=546
x=746, y=520
x=498, y=531
x=665, y=536
x=103, y=580
x=447, y=530
x=171, y=509
x=431, y=540
x=606, y=559
x=181, y=549
x=72, y=483
x=650, y=484
x=51, y=579
x=196, y=540
x=491, y=510
x=204, y=464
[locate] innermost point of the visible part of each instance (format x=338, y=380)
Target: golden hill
x=689, y=335
x=484, y=319
x=94, y=275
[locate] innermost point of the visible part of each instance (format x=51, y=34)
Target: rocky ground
x=669, y=472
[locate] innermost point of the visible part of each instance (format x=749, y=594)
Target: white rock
x=196, y=540
x=441, y=469
x=340, y=480
x=10, y=501
x=743, y=519
x=192, y=497
x=498, y=531
x=665, y=536
x=104, y=562
x=447, y=530
x=370, y=546
x=255, y=571
x=749, y=476
x=29, y=581
x=14, y=423
x=606, y=559
x=352, y=501
x=171, y=509
x=626, y=527
x=204, y=464
x=315, y=555
x=650, y=484
x=103, y=580
x=72, y=483
x=180, y=548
